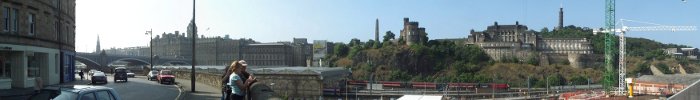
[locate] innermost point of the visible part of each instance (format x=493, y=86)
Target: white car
x=130, y=74
x=153, y=75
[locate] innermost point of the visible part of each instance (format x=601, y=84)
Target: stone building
x=302, y=52
x=210, y=50
x=268, y=54
x=218, y=50
x=690, y=53
x=321, y=48
x=516, y=41
x=564, y=46
x=223, y=50
x=297, y=53
x=302, y=82
x=505, y=41
x=132, y=51
x=171, y=45
x=412, y=33
x=37, y=42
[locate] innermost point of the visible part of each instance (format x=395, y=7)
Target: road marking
x=178, y=94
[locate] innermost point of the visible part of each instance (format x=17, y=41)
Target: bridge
x=101, y=61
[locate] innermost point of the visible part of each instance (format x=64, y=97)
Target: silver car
x=130, y=74
x=76, y=92
x=153, y=75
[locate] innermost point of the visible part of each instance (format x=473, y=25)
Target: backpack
x=225, y=89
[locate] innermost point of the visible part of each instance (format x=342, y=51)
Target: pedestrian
x=226, y=89
x=81, y=75
x=249, y=78
x=38, y=84
x=236, y=83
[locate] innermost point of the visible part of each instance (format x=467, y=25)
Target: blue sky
x=122, y=23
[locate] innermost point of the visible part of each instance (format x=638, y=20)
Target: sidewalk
x=202, y=91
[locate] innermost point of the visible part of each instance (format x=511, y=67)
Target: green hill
x=445, y=61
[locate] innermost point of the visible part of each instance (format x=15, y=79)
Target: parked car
x=98, y=77
x=153, y=75
x=120, y=74
x=76, y=92
x=130, y=74
x=166, y=76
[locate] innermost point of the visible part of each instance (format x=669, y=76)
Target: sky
x=123, y=23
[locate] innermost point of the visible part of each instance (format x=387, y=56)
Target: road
x=139, y=88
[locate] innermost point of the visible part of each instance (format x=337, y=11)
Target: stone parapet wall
x=307, y=86
x=296, y=86
x=206, y=78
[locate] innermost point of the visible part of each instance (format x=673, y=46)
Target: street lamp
x=150, y=43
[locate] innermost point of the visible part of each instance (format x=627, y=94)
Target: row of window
x=266, y=63
x=11, y=18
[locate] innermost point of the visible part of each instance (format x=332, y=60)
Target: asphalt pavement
x=202, y=91
x=139, y=88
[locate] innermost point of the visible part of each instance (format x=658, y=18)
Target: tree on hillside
x=370, y=44
x=544, y=30
x=389, y=35
x=402, y=40
x=354, y=42
x=340, y=49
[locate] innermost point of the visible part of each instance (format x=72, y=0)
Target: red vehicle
x=499, y=86
x=166, y=76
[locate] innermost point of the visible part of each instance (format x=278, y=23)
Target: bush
x=663, y=68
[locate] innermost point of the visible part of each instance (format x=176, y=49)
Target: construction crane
x=621, y=64
x=608, y=75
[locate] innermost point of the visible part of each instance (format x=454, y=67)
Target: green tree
x=354, y=50
x=402, y=41
x=340, y=49
x=579, y=80
x=354, y=42
x=425, y=39
x=663, y=68
x=544, y=30
x=370, y=44
x=642, y=68
x=388, y=36
x=533, y=59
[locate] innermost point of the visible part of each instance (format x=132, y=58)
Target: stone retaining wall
x=206, y=78
x=293, y=86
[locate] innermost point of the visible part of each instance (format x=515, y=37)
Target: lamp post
x=150, y=44
x=192, y=28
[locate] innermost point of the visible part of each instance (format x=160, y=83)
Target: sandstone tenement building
x=297, y=53
x=37, y=42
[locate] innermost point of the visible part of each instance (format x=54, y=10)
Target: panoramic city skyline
x=340, y=21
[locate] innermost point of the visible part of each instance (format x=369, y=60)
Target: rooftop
x=321, y=71
x=671, y=79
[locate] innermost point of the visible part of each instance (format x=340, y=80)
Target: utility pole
x=193, y=29
x=151, y=46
